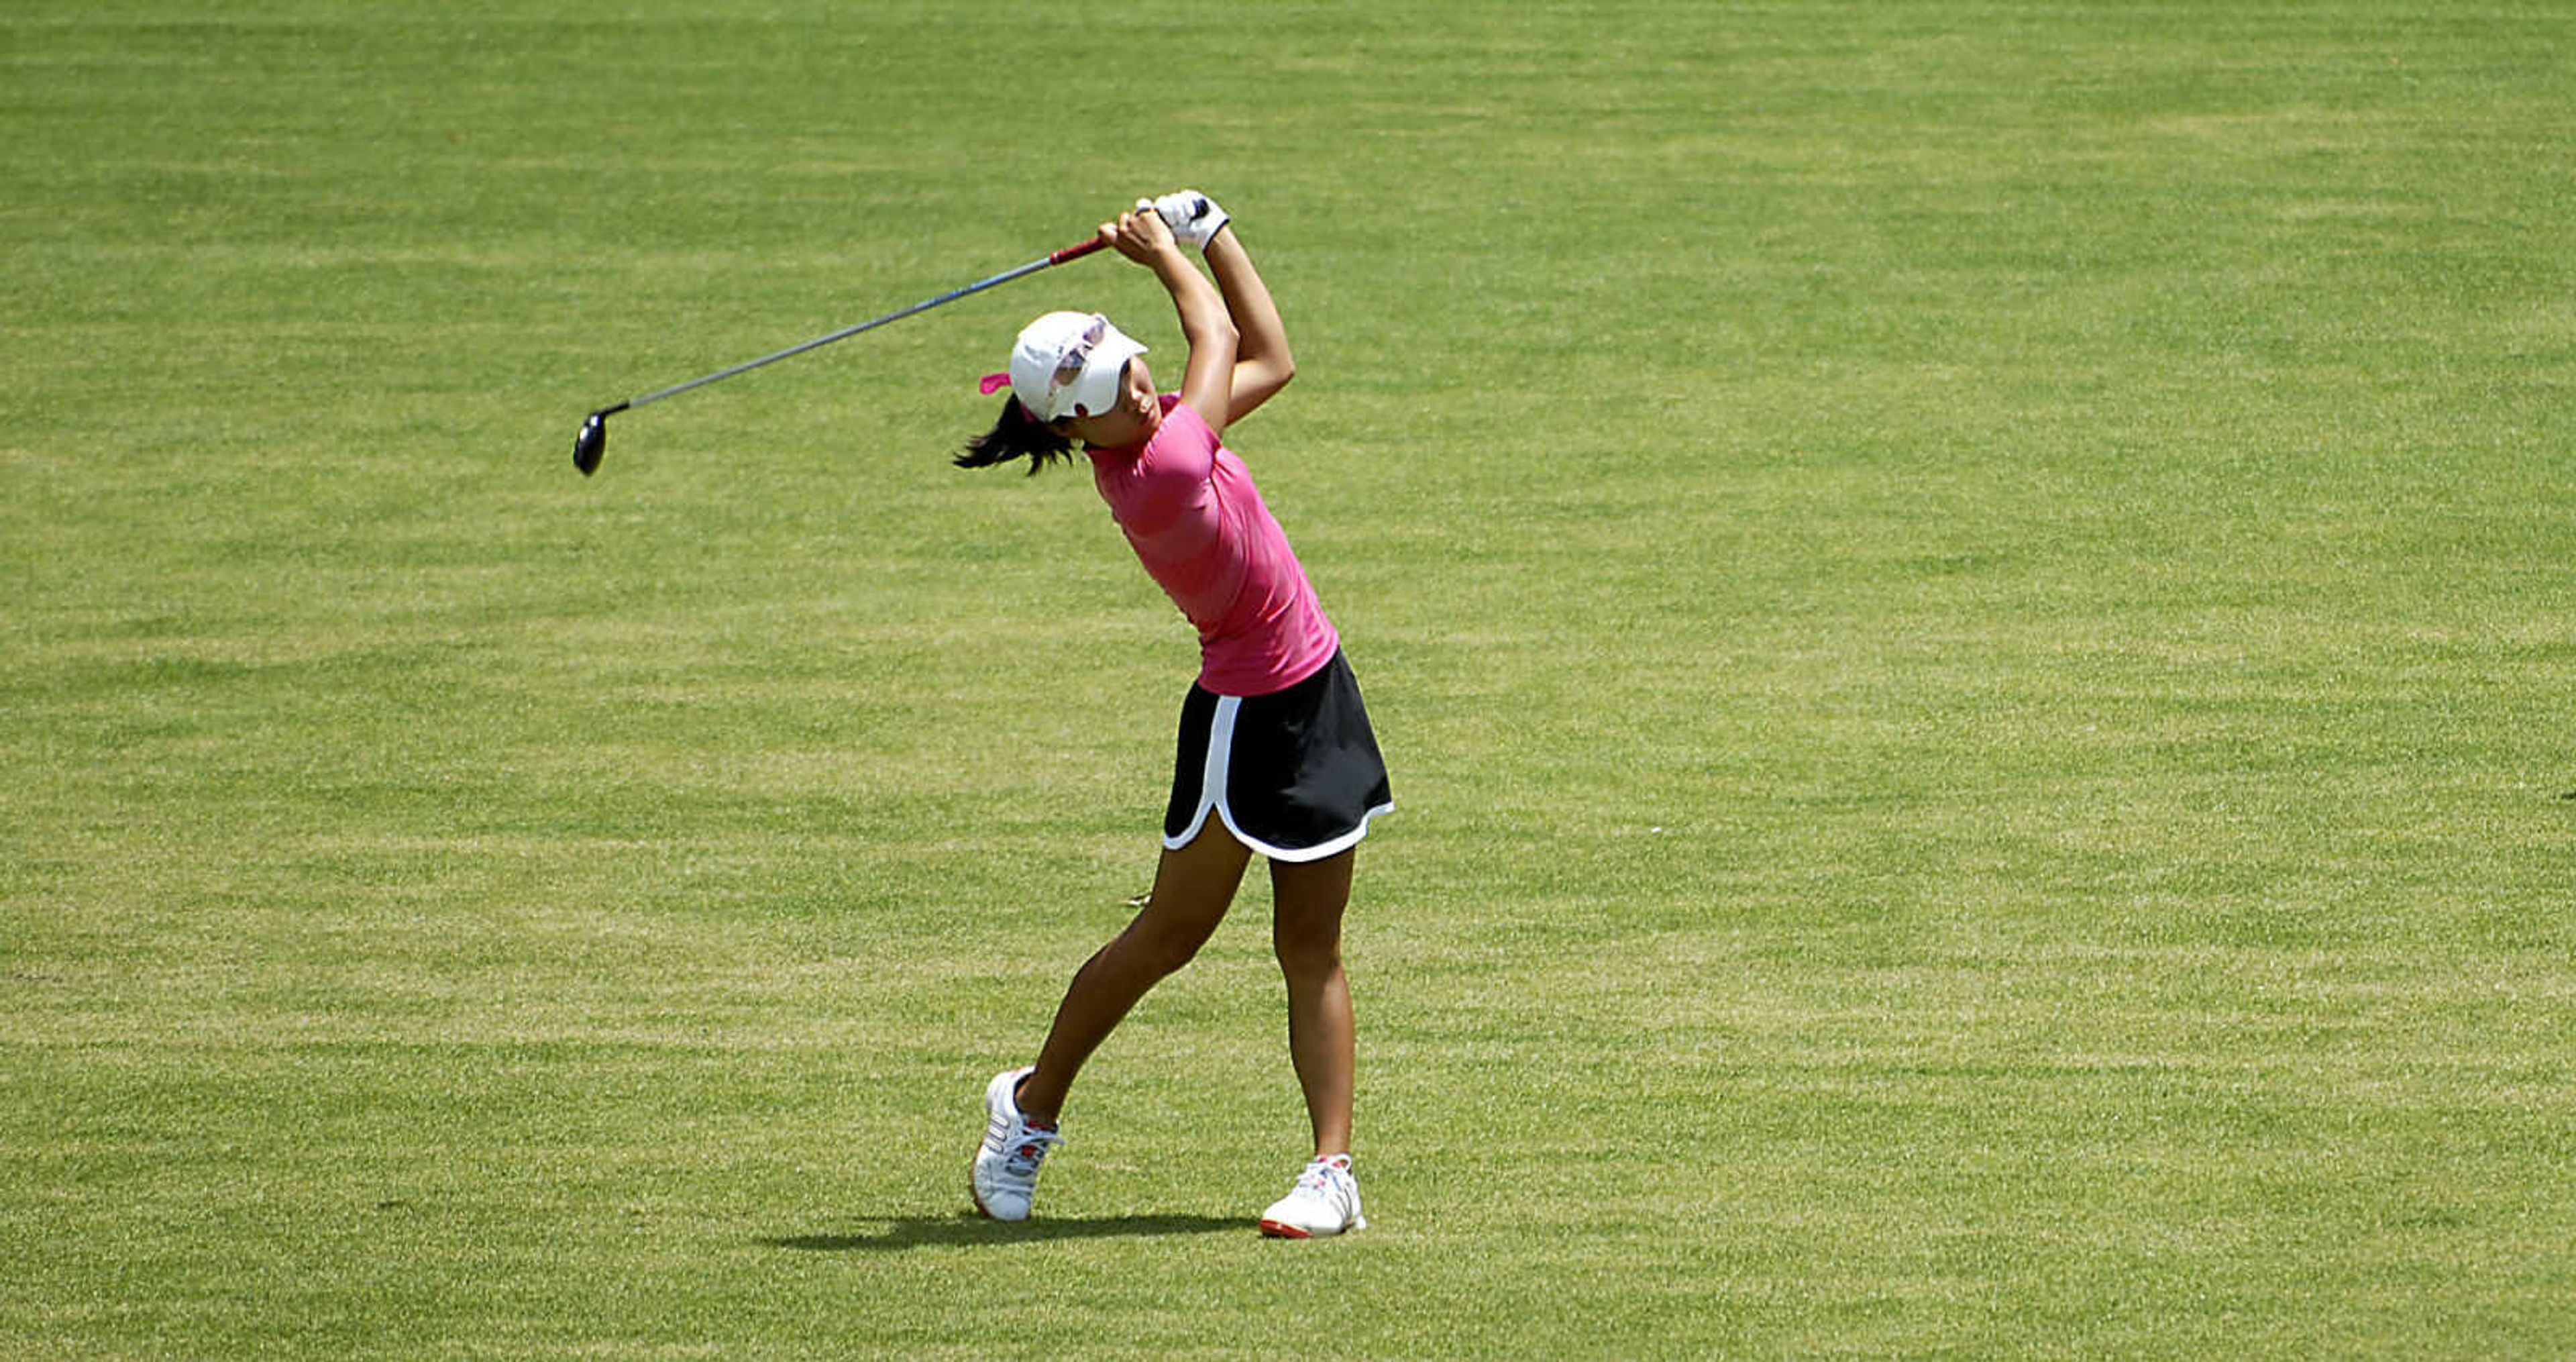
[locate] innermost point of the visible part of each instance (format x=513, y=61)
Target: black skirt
x=1295, y=775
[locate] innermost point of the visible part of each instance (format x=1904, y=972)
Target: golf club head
x=588, y=446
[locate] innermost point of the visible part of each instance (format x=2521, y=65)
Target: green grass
x=1970, y=603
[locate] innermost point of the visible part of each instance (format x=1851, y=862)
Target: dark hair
x=1016, y=435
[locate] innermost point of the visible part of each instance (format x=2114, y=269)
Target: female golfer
x=1276, y=755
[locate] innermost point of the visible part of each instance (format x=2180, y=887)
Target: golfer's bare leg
x=1192, y=889
x=1307, y=933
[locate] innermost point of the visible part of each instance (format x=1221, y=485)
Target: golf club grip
x=1077, y=252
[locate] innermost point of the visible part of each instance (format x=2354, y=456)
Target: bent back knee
x=1158, y=953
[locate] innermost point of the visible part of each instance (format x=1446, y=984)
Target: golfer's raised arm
x=1143, y=237
x=1262, y=362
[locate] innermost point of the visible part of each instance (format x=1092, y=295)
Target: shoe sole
x=1276, y=1229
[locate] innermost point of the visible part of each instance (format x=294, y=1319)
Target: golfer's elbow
x=1271, y=372
x=1204, y=323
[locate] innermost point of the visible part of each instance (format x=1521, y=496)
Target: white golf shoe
x=1325, y=1201
x=1006, y=1165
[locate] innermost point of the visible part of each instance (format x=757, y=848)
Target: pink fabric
x=1190, y=511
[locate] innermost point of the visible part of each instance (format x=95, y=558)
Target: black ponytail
x=1015, y=435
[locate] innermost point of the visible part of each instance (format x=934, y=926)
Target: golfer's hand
x=1192, y=216
x=1141, y=236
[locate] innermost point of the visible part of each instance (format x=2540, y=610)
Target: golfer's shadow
x=894, y=1233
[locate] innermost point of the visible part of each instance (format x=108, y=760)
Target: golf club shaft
x=1074, y=252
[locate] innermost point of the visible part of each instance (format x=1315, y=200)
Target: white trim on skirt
x=1212, y=796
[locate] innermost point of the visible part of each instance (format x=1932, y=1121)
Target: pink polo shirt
x=1189, y=509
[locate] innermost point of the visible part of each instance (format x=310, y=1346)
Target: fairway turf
x=1969, y=603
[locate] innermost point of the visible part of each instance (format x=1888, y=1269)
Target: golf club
x=592, y=442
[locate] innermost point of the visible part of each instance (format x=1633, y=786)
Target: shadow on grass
x=932, y=1231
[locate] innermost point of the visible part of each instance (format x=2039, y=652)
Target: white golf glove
x=1192, y=216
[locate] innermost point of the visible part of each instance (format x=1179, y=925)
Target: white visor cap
x=1068, y=364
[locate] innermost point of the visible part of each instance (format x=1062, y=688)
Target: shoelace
x=1032, y=1150
x=1318, y=1178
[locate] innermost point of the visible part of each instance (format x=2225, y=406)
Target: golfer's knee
x=1307, y=954
x=1160, y=951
